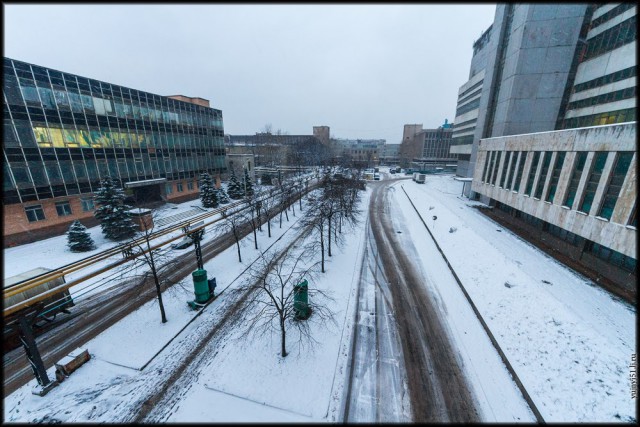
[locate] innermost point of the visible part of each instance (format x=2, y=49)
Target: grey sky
x=363, y=70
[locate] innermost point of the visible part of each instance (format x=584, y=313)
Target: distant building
x=63, y=133
x=279, y=149
x=322, y=134
x=427, y=149
x=359, y=152
x=390, y=155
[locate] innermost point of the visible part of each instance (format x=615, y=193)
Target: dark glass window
x=555, y=176
x=512, y=168
x=190, y=185
x=168, y=189
x=532, y=172
x=63, y=208
x=611, y=39
x=87, y=204
x=576, y=174
x=496, y=167
x=523, y=159
x=179, y=187
x=487, y=166
x=34, y=213
x=592, y=182
x=623, y=160
x=544, y=170
x=505, y=169
x=632, y=218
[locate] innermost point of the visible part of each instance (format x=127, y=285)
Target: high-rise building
x=63, y=133
x=561, y=167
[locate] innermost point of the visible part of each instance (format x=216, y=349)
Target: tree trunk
x=235, y=235
x=157, y=282
x=322, y=245
x=269, y=224
x=255, y=236
x=283, y=339
x=329, y=237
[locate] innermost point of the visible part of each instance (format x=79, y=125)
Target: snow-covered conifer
x=208, y=193
x=115, y=221
x=78, y=239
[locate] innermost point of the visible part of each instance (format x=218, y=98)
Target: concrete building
x=390, y=155
x=427, y=149
x=279, y=149
x=358, y=152
x=572, y=191
x=63, y=133
x=521, y=66
x=576, y=189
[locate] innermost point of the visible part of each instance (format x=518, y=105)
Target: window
x=87, y=204
x=487, y=166
x=532, y=172
x=495, y=168
x=512, y=168
x=623, y=160
x=632, y=217
x=523, y=159
x=543, y=174
x=168, y=188
x=505, y=168
x=578, y=167
x=190, y=185
x=63, y=208
x=592, y=182
x=179, y=186
x=34, y=213
x=555, y=176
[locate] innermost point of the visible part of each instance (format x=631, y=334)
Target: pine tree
x=112, y=213
x=208, y=193
x=78, y=239
x=235, y=189
x=223, y=197
x=248, y=184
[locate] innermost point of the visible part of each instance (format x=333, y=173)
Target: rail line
x=61, y=271
x=493, y=340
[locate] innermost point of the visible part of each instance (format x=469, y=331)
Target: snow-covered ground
x=570, y=342
x=246, y=380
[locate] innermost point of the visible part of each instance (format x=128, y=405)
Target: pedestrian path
x=178, y=217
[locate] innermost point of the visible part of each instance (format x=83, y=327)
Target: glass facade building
x=63, y=133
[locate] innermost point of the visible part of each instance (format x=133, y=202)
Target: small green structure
x=203, y=288
x=301, y=300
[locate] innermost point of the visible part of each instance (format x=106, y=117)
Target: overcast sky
x=362, y=70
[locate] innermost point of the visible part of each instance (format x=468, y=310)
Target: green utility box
x=201, y=286
x=301, y=300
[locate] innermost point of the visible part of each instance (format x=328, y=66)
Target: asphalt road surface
x=438, y=389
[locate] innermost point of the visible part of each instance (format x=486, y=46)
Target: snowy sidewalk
x=570, y=342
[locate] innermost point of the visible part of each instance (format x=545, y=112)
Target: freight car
x=47, y=309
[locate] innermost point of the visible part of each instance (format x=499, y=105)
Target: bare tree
x=155, y=259
x=268, y=205
x=232, y=222
x=273, y=281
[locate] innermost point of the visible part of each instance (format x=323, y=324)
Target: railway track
x=122, y=248
x=96, y=313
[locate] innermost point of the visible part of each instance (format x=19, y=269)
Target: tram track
x=98, y=312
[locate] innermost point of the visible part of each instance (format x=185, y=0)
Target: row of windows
x=35, y=213
x=617, y=95
x=466, y=98
x=606, y=254
x=606, y=118
x=475, y=86
x=611, y=39
x=611, y=256
x=611, y=193
x=604, y=80
x=463, y=124
x=180, y=187
x=70, y=85
x=463, y=140
x=618, y=10
x=468, y=107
